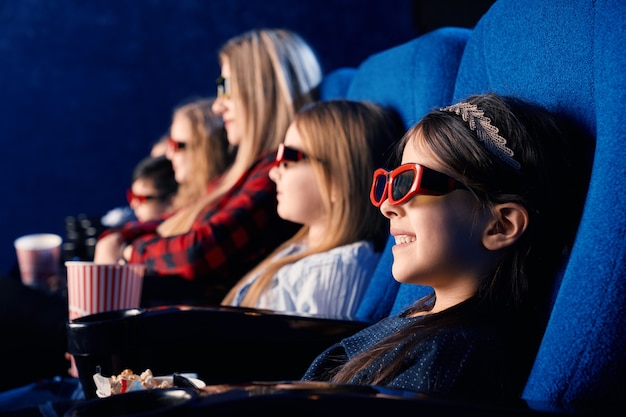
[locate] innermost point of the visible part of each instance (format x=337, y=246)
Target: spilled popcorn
x=128, y=381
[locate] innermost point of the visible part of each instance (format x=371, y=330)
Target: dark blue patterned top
x=468, y=359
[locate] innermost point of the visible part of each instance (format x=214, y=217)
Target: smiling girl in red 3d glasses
x=483, y=208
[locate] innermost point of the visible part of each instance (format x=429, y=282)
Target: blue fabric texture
x=407, y=295
x=412, y=79
x=336, y=83
x=42, y=394
x=382, y=290
x=569, y=57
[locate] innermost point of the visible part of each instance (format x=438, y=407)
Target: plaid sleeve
x=227, y=238
x=132, y=230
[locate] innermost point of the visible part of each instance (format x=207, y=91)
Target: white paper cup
x=95, y=288
x=38, y=257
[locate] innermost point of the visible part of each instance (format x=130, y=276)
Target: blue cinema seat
x=414, y=77
x=335, y=84
x=569, y=56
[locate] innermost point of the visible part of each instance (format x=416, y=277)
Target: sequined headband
x=486, y=132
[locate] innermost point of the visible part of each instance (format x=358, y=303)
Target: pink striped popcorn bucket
x=95, y=288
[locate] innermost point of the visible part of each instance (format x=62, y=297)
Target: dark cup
x=104, y=342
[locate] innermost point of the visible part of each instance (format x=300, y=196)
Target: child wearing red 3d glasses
x=322, y=174
x=483, y=209
x=152, y=189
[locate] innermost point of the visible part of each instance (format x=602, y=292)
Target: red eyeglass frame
x=285, y=153
x=176, y=145
x=130, y=197
x=426, y=181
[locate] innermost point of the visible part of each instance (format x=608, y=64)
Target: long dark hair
x=551, y=184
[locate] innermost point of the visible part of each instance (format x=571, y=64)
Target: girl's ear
x=509, y=221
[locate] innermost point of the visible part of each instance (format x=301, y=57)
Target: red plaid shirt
x=228, y=237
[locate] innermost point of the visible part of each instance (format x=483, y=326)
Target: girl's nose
x=389, y=210
x=169, y=152
x=274, y=174
x=218, y=105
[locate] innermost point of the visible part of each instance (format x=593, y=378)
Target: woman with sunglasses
x=322, y=173
x=266, y=76
x=197, y=147
x=483, y=209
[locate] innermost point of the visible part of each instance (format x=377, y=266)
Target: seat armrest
x=284, y=398
x=220, y=344
x=281, y=398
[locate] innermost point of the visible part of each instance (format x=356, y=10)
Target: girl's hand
x=109, y=249
x=73, y=370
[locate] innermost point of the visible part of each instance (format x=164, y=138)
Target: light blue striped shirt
x=329, y=284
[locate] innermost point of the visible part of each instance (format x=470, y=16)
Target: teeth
x=402, y=239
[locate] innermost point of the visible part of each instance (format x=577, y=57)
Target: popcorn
x=128, y=381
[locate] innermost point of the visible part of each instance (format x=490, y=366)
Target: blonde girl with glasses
x=197, y=147
x=322, y=173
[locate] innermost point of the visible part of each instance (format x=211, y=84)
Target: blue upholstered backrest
x=569, y=56
x=336, y=83
x=411, y=78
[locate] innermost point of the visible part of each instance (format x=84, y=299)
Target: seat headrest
x=414, y=77
x=539, y=51
x=568, y=56
x=335, y=84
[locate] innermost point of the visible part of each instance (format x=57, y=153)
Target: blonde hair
x=274, y=72
x=345, y=140
x=208, y=146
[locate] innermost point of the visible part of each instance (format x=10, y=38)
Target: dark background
x=86, y=86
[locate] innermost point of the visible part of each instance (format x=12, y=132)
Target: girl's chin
x=401, y=269
x=400, y=278
x=287, y=217
x=233, y=139
x=282, y=214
